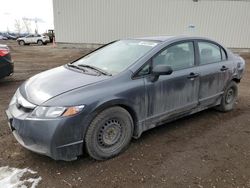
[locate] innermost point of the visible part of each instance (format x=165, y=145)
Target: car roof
x=169, y=38
x=157, y=38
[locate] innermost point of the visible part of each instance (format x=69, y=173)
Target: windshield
x=117, y=56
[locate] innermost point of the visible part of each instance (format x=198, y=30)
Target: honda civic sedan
x=97, y=103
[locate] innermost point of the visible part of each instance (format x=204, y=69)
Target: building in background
x=100, y=21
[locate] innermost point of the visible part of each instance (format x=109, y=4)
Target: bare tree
x=8, y=30
x=35, y=20
x=18, y=26
x=27, y=25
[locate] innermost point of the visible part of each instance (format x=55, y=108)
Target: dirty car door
x=176, y=93
x=214, y=70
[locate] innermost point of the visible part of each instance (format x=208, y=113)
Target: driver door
x=178, y=92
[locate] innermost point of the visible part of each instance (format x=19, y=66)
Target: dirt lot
x=208, y=149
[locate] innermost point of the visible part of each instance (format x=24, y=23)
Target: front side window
x=116, y=57
x=209, y=53
x=179, y=56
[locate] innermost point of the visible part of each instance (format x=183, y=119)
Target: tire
x=40, y=43
x=229, y=97
x=109, y=133
x=21, y=43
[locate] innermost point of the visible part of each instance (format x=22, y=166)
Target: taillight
x=4, y=51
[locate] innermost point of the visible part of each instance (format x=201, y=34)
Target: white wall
x=100, y=21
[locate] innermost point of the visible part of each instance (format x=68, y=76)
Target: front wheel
x=229, y=97
x=21, y=43
x=109, y=133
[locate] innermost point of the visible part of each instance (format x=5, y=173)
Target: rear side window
x=179, y=56
x=209, y=53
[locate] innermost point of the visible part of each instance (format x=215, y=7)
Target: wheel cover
x=110, y=133
x=230, y=96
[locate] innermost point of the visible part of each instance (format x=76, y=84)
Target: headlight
x=54, y=112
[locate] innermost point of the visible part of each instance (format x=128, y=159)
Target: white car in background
x=2, y=37
x=33, y=39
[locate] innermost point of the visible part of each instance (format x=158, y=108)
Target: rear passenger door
x=214, y=71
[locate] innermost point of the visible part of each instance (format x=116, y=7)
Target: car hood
x=49, y=84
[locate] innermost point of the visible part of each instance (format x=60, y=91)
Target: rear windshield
x=117, y=56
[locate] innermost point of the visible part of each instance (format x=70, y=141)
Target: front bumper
x=46, y=41
x=60, y=139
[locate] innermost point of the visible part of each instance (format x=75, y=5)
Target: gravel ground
x=207, y=149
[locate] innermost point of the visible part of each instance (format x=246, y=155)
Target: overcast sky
x=11, y=10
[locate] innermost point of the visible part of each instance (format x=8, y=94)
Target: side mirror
x=160, y=70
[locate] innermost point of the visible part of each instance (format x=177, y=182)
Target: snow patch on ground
x=18, y=178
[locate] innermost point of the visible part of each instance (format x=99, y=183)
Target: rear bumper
x=6, y=69
x=57, y=138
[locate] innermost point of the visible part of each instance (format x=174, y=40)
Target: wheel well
x=236, y=80
x=126, y=107
x=132, y=113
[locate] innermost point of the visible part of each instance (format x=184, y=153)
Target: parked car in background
x=33, y=39
x=3, y=38
x=6, y=64
x=102, y=100
x=9, y=36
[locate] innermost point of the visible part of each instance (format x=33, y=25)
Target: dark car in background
x=10, y=37
x=100, y=101
x=6, y=64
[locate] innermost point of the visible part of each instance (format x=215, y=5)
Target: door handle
x=193, y=75
x=223, y=68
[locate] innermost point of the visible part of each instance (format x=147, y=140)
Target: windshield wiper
x=96, y=69
x=76, y=67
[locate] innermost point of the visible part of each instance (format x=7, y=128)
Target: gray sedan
x=100, y=101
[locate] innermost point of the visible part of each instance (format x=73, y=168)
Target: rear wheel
x=39, y=42
x=229, y=97
x=109, y=133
